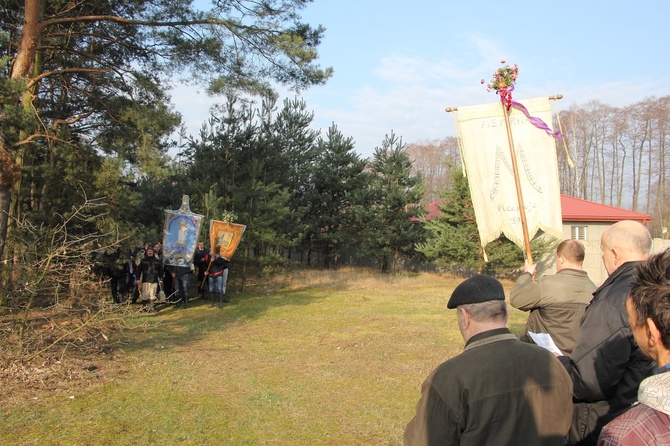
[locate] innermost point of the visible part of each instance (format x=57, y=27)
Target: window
x=578, y=232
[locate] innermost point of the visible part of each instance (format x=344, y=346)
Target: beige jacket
x=556, y=304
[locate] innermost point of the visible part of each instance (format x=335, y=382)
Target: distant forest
x=611, y=155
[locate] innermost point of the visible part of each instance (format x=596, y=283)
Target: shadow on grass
x=179, y=327
x=172, y=326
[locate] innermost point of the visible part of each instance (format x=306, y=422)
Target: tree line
x=85, y=144
x=86, y=141
x=303, y=196
x=610, y=155
x=618, y=156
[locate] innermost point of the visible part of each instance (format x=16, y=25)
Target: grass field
x=324, y=358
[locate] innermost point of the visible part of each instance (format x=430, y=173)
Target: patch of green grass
x=330, y=357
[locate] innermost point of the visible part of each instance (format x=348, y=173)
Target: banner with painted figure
x=225, y=237
x=487, y=160
x=180, y=235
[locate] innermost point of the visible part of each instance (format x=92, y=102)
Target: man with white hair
x=606, y=365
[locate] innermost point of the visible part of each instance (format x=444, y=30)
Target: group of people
x=149, y=278
x=607, y=386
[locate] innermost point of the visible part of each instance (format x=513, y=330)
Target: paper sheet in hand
x=544, y=340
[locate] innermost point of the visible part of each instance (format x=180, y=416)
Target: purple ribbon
x=506, y=98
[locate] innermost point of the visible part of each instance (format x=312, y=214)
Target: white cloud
x=409, y=93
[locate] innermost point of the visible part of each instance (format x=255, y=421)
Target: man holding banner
x=180, y=237
x=217, y=276
x=182, y=282
x=201, y=260
x=224, y=238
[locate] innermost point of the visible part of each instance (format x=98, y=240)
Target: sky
x=399, y=64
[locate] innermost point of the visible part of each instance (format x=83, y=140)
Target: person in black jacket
x=182, y=282
x=150, y=271
x=606, y=365
x=131, y=278
x=201, y=260
x=115, y=270
x=217, y=275
x=648, y=308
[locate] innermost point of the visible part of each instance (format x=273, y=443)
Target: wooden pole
x=517, y=183
x=211, y=259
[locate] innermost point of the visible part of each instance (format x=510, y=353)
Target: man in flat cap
x=499, y=390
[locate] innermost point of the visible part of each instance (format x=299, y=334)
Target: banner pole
x=517, y=183
x=209, y=265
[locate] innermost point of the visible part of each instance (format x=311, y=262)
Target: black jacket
x=606, y=365
x=200, y=257
x=219, y=264
x=150, y=270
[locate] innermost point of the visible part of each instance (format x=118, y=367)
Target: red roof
x=577, y=209
x=432, y=210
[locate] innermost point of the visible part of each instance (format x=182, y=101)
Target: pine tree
x=96, y=75
x=292, y=154
x=334, y=191
x=453, y=240
x=390, y=233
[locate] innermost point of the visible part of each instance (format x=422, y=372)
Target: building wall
x=593, y=262
x=593, y=232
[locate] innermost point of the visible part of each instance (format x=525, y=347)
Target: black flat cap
x=477, y=289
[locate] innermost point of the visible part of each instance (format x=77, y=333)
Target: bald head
x=625, y=241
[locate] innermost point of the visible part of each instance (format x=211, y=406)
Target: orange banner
x=224, y=237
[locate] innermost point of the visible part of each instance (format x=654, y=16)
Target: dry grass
x=325, y=357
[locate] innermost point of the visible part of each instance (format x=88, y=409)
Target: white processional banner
x=487, y=160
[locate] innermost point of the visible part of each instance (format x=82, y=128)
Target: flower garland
x=502, y=82
x=228, y=217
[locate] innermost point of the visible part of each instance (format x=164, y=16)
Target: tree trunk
x=23, y=67
x=5, y=198
x=396, y=260
x=30, y=37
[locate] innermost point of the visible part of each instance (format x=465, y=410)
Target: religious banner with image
x=224, y=237
x=487, y=160
x=180, y=235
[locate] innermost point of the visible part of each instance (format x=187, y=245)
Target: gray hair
x=492, y=310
